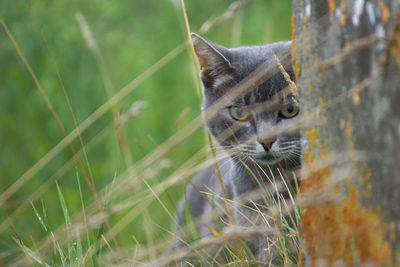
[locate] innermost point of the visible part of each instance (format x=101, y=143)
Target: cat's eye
x=239, y=113
x=289, y=110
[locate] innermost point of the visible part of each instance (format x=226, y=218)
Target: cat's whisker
x=290, y=151
x=292, y=144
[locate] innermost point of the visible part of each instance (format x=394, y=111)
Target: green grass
x=138, y=165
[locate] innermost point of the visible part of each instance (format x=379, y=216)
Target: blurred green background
x=131, y=37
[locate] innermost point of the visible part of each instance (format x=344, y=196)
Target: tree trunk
x=347, y=63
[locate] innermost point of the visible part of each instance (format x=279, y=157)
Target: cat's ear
x=211, y=58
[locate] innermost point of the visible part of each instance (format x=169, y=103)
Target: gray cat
x=246, y=99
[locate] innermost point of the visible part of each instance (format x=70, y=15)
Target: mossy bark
x=347, y=61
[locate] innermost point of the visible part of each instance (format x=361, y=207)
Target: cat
x=243, y=120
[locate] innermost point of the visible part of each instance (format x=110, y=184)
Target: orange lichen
x=320, y=220
x=321, y=105
x=398, y=256
x=340, y=231
x=308, y=90
x=366, y=230
x=307, y=40
x=293, y=34
x=293, y=48
x=385, y=11
x=312, y=135
x=332, y=5
x=292, y=30
x=392, y=231
x=305, y=19
x=308, y=156
x=349, y=132
x=342, y=124
x=343, y=9
x=364, y=181
x=335, y=231
x=349, y=116
x=356, y=99
x=367, y=190
x=296, y=69
x=394, y=45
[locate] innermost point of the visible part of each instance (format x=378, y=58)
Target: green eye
x=239, y=113
x=290, y=110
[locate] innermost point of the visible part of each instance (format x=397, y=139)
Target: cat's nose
x=267, y=143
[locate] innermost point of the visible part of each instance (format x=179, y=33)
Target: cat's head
x=246, y=124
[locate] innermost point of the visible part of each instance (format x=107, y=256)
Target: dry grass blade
x=292, y=85
x=228, y=14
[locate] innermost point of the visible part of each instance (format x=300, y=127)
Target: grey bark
x=348, y=58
